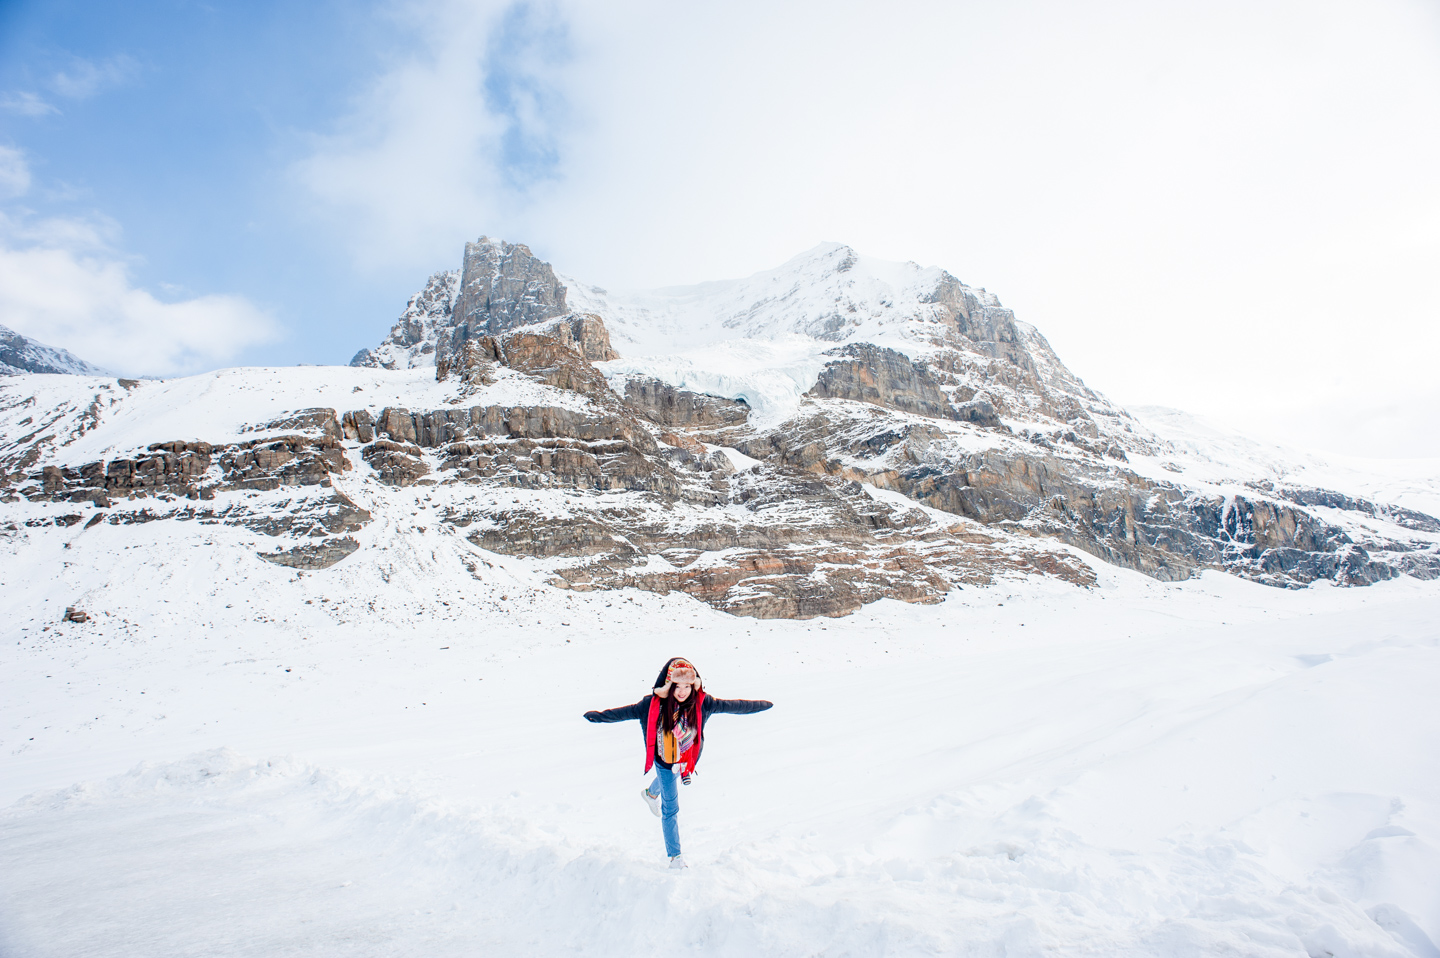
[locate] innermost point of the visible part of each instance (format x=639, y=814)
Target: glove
x=684, y=778
x=592, y=716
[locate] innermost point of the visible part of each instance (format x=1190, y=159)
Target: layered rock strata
x=206, y=474
x=666, y=405
x=785, y=547
x=1058, y=486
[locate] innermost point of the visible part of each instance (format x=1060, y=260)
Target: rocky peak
x=499, y=287
x=502, y=287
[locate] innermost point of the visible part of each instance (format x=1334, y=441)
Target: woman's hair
x=670, y=709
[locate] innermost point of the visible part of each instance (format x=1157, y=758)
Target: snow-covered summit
x=829, y=293
x=21, y=354
x=763, y=338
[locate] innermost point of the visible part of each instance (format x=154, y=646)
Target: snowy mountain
x=904, y=378
x=764, y=338
x=21, y=354
x=798, y=443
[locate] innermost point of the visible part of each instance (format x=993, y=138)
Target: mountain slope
x=21, y=354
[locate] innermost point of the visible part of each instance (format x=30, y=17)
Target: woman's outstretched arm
x=624, y=713
x=736, y=706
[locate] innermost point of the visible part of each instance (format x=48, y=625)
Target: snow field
x=341, y=763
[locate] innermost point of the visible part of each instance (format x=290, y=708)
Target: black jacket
x=640, y=711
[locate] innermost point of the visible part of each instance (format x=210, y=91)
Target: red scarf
x=691, y=755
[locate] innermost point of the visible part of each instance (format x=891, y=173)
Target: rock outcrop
x=866, y=373
x=167, y=473
x=460, y=319
x=1060, y=487
x=502, y=287
x=666, y=405
x=784, y=546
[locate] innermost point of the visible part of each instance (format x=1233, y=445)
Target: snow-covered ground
x=388, y=758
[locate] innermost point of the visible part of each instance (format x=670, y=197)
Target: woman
x=673, y=718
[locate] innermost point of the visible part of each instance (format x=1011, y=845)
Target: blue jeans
x=664, y=784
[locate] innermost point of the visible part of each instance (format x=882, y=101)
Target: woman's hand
x=592, y=716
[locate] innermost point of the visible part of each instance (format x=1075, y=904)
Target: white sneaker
x=677, y=861
x=651, y=801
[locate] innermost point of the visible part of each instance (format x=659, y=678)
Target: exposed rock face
x=526, y=447
x=1063, y=490
x=866, y=373
x=798, y=547
x=586, y=334
x=21, y=354
x=357, y=425
x=552, y=361
x=396, y=464
x=473, y=363
x=1405, y=518
x=195, y=470
x=313, y=555
x=199, y=471
x=502, y=287
x=666, y=405
x=461, y=320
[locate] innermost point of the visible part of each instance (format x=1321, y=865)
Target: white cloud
x=14, y=173
x=1228, y=207
x=421, y=163
x=61, y=283
x=85, y=78
x=25, y=103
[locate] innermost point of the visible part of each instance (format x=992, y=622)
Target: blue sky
x=177, y=141
x=1229, y=207
x=173, y=129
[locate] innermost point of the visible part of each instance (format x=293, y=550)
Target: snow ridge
x=21, y=354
